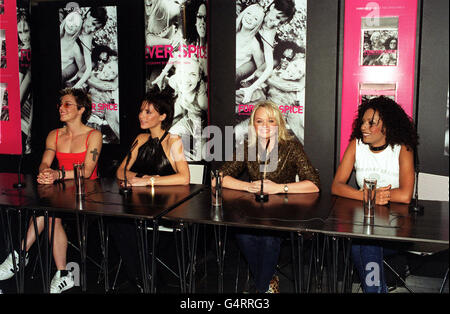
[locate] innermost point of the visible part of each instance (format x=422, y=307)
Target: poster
x=24, y=52
x=4, y=109
x=379, y=41
x=10, y=129
x=374, y=32
x=89, y=60
x=270, y=61
x=176, y=59
x=368, y=91
x=2, y=49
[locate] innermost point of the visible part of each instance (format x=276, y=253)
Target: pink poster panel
x=379, y=56
x=10, y=130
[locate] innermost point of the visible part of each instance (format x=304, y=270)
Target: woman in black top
x=157, y=158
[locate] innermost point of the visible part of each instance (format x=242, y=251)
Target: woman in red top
x=73, y=143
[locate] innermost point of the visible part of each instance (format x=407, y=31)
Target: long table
x=317, y=213
x=102, y=198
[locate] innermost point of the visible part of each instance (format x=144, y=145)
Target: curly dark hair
x=163, y=102
x=398, y=126
x=82, y=99
x=284, y=45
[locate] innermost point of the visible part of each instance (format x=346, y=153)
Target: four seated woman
x=381, y=146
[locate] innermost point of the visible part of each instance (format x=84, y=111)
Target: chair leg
x=398, y=276
x=117, y=275
x=444, y=281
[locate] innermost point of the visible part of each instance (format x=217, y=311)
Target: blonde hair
x=274, y=112
x=62, y=27
x=157, y=12
x=260, y=11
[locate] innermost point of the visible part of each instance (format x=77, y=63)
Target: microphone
x=414, y=206
x=125, y=189
x=19, y=184
x=261, y=197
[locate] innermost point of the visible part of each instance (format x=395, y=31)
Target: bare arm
x=268, y=58
x=93, y=152
x=50, y=151
x=88, y=68
x=46, y=174
x=339, y=186
x=404, y=192
x=120, y=171
x=284, y=85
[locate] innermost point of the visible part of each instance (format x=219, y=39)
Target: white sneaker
x=7, y=267
x=62, y=283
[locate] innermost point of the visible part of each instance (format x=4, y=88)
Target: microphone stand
x=125, y=189
x=261, y=197
x=414, y=206
x=19, y=184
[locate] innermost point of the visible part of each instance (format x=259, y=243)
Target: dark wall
x=433, y=80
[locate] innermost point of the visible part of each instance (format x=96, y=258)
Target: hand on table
x=383, y=195
x=47, y=176
x=269, y=187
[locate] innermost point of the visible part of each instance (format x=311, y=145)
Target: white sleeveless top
x=383, y=166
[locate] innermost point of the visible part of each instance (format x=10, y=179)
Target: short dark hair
x=163, y=102
x=100, y=14
x=287, y=7
x=398, y=125
x=82, y=99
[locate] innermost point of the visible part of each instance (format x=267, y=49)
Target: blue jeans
x=261, y=252
x=368, y=260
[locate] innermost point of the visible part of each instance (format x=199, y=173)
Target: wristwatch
x=286, y=188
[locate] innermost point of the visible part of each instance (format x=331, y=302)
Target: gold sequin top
x=292, y=160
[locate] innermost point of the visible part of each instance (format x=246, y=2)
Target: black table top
x=391, y=223
x=314, y=212
x=290, y=212
x=102, y=197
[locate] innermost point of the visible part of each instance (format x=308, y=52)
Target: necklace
x=379, y=148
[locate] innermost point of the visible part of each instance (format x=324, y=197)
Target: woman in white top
x=382, y=145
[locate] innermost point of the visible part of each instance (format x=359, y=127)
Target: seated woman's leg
x=261, y=253
x=124, y=236
x=31, y=234
x=368, y=259
x=59, y=244
x=269, y=251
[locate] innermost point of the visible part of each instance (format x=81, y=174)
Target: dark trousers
x=261, y=250
x=123, y=233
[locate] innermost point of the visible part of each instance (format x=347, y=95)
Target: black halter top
x=151, y=159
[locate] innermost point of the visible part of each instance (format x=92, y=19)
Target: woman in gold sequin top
x=273, y=155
